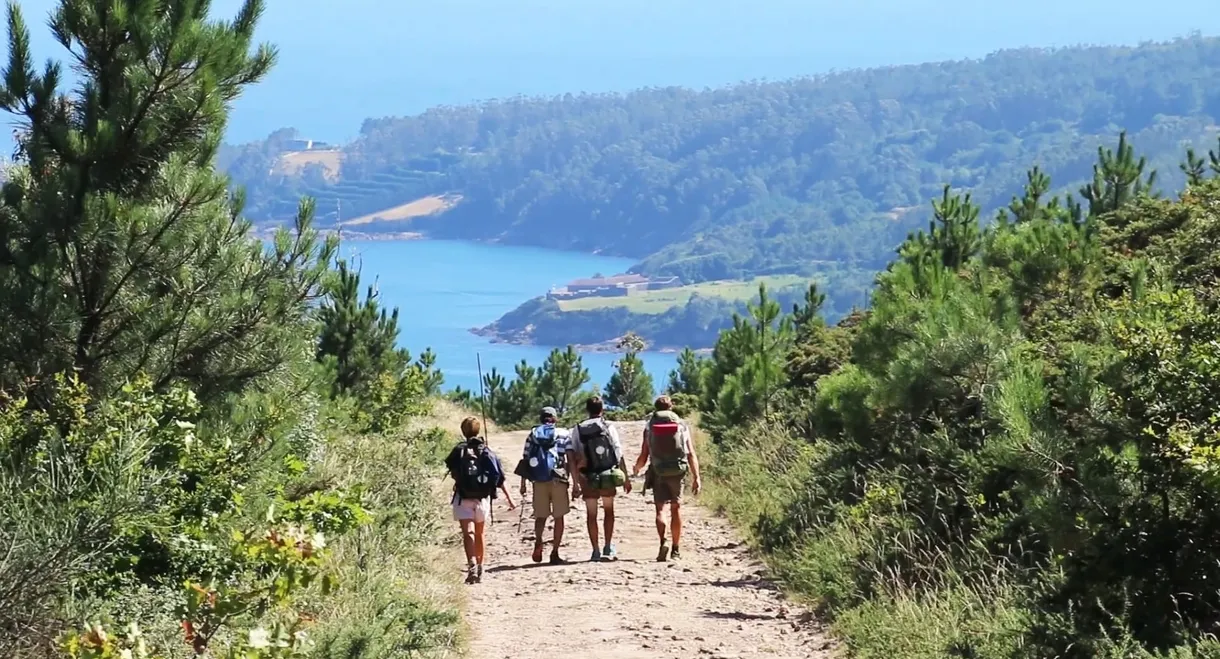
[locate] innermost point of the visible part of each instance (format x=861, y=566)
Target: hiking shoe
x=663, y=554
x=472, y=574
x=537, y=553
x=597, y=556
x=556, y=560
x=674, y=555
x=478, y=575
x=609, y=553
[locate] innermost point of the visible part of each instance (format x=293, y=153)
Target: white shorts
x=472, y=509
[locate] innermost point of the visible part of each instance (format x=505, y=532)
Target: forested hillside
x=211, y=446
x=762, y=176
x=1013, y=452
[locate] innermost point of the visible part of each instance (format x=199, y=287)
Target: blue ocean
x=444, y=288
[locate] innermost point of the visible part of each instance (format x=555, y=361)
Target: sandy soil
x=714, y=602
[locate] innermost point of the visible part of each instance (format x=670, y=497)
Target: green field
x=656, y=302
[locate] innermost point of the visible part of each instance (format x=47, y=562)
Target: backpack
x=475, y=471
x=543, y=460
x=666, y=451
x=600, y=455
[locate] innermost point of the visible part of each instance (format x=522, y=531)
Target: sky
x=343, y=62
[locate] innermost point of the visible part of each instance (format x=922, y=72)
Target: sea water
x=444, y=288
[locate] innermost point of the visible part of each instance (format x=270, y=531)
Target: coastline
x=610, y=346
x=267, y=232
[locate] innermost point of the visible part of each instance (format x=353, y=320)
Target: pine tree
x=563, y=374
x=358, y=337
x=492, y=395
x=121, y=250
x=1118, y=178
x=955, y=234
x=630, y=386
x=809, y=313
x=358, y=344
x=687, y=376
x=1194, y=167
x=523, y=397
x=433, y=377
x=1213, y=158
x=1030, y=207
x=748, y=363
x=953, y=237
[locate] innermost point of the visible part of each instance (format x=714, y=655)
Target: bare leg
x=591, y=521
x=539, y=530
x=478, y=542
x=675, y=520
x=558, y=534
x=468, y=539
x=661, y=522
x=608, y=506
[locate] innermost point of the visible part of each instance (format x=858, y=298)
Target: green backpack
x=666, y=452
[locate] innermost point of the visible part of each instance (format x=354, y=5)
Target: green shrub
x=1017, y=457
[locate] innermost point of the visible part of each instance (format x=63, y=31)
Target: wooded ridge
x=760, y=177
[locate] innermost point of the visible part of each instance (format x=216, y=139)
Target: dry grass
x=398, y=593
x=422, y=207
x=393, y=590
x=660, y=301
x=439, y=556
x=448, y=416
x=293, y=162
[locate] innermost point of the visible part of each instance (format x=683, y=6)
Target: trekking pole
x=478, y=359
x=520, y=514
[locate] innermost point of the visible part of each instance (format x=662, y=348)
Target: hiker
x=477, y=475
x=670, y=455
x=548, y=451
x=599, y=453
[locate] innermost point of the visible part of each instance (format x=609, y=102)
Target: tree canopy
x=1012, y=452
x=762, y=177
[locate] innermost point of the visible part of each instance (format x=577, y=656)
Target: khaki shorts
x=551, y=499
x=668, y=489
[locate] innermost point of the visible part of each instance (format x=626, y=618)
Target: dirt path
x=713, y=603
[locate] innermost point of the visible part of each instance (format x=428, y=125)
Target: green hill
x=761, y=177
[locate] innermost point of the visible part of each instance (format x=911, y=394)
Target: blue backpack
x=543, y=460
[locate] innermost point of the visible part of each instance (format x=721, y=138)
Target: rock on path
x=714, y=602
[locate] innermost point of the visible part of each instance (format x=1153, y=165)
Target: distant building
x=616, y=286
x=599, y=283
